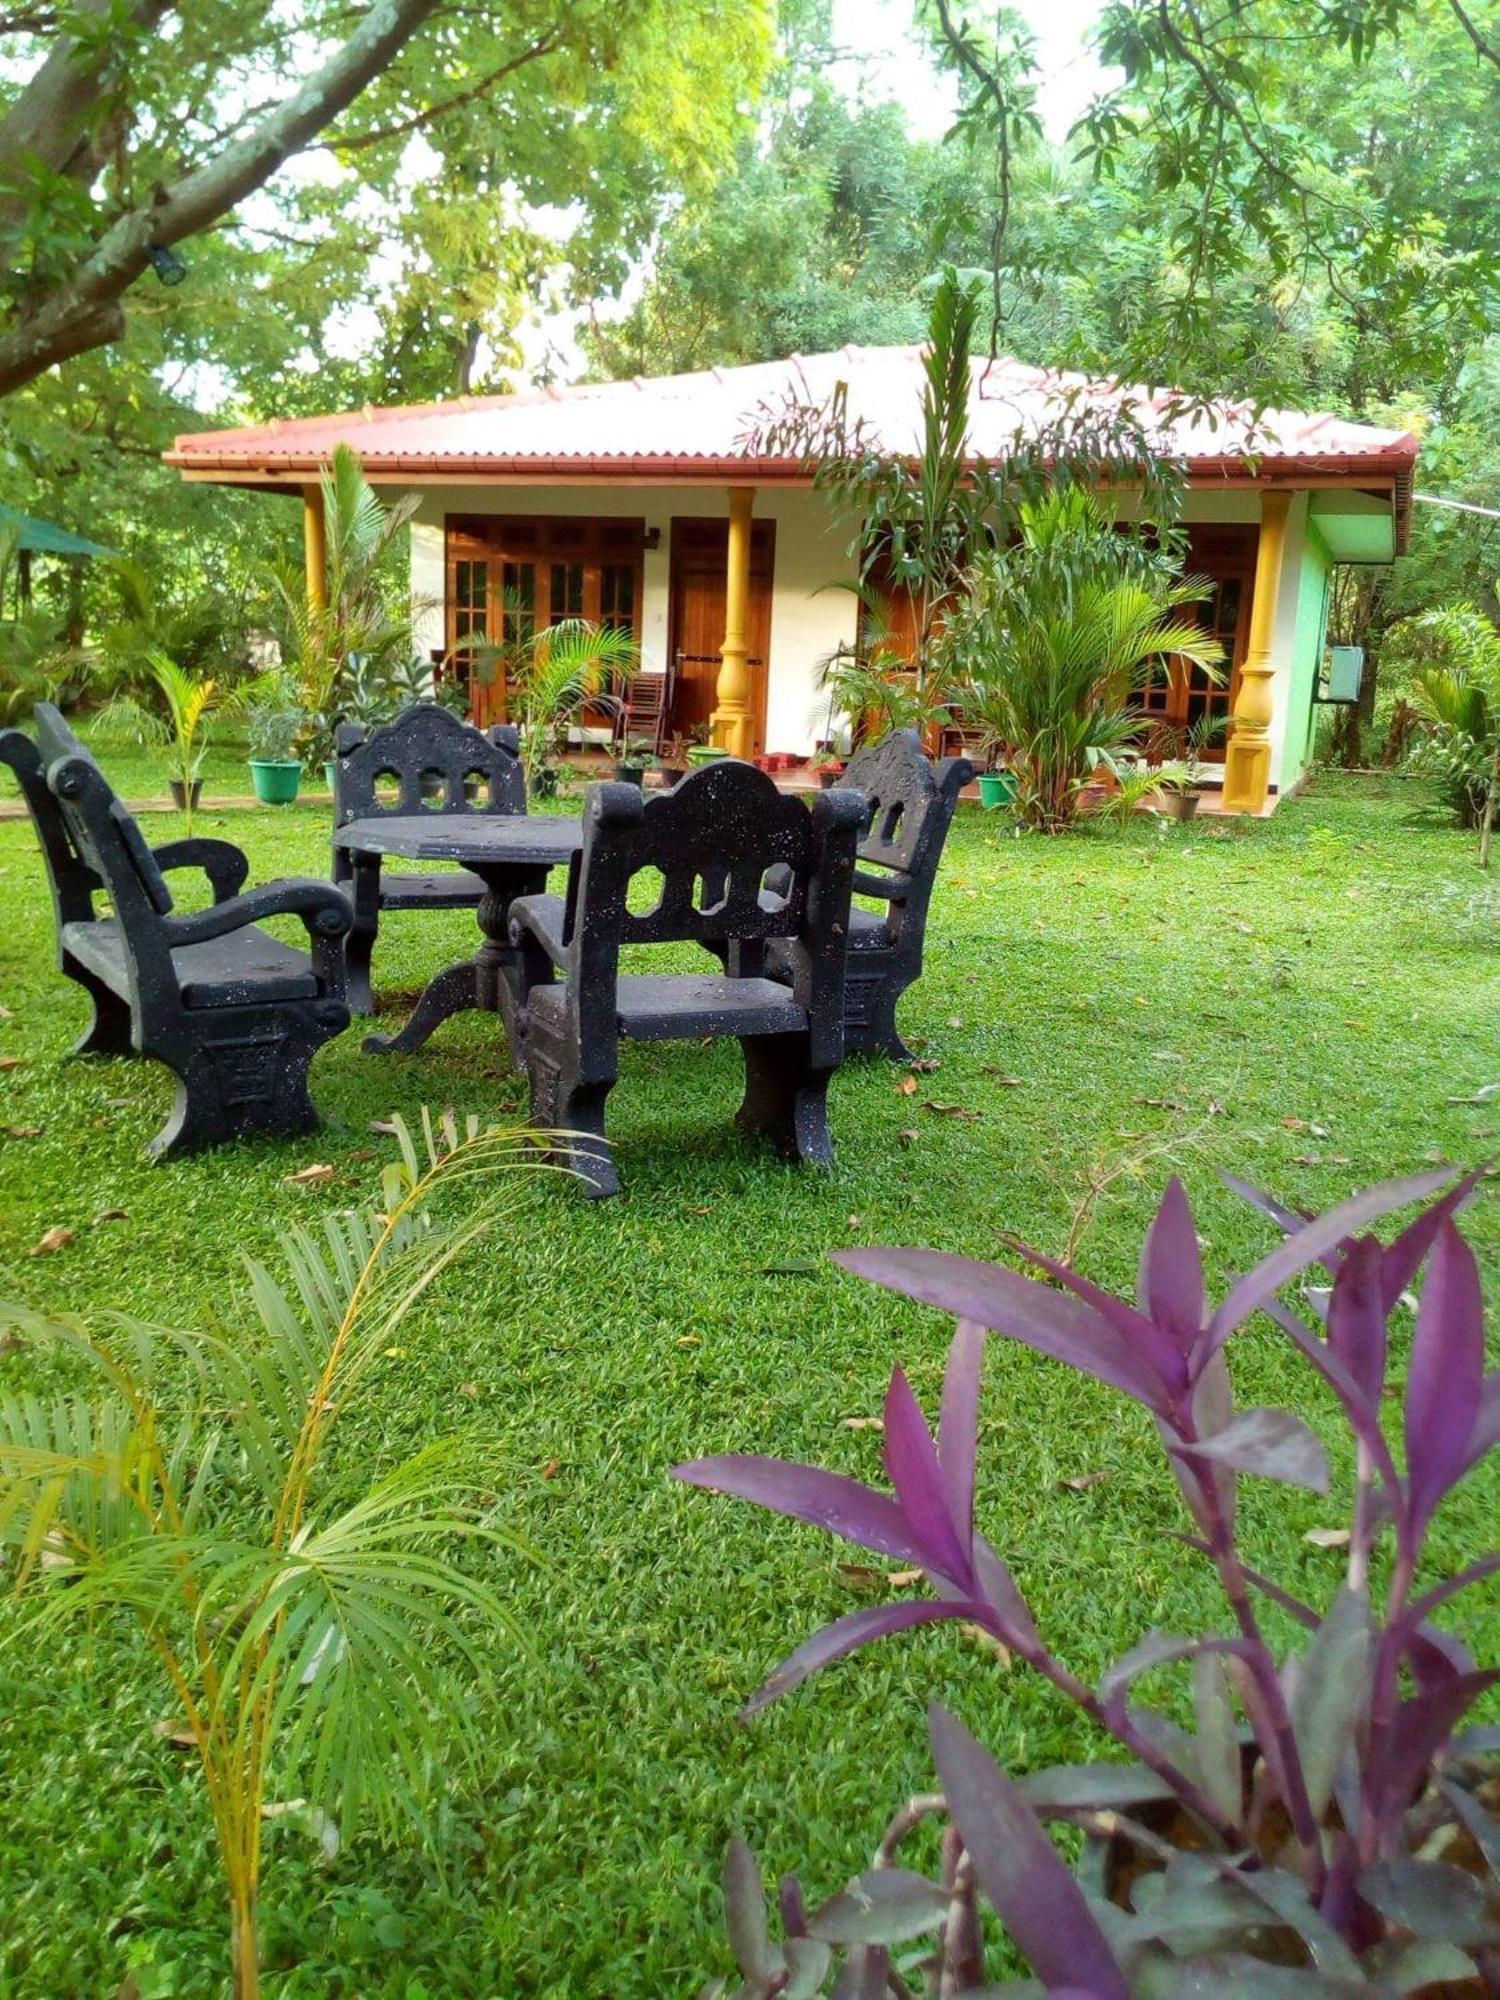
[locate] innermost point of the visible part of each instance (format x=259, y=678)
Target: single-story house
x=640, y=503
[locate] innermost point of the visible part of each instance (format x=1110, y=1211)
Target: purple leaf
x=1288, y=1220
x=911, y=1460
x=1476, y=1572
x=1020, y=1871
x=1311, y=1244
x=1486, y=1432
x=1001, y=1299
x=1357, y=1313
x=847, y=1634
x=745, y=1913
x=882, y=1906
x=1159, y=1649
x=1273, y=1444
x=1401, y=1262
x=1171, y=1283
x=999, y=1590
x=1329, y=1701
x=828, y=1500
x=1364, y=1421
x=1445, y=1380
x=1422, y=1726
x=1138, y=1330
x=958, y=1424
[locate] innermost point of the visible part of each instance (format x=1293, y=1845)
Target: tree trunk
x=1487, y=824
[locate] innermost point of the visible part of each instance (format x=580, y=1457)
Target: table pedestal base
x=482, y=983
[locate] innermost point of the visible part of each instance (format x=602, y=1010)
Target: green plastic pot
x=996, y=788
x=275, y=784
x=705, y=753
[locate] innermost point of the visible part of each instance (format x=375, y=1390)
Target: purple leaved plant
x=1326, y=1825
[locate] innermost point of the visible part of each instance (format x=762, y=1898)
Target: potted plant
x=551, y=676
x=827, y=766
x=672, y=760
x=1173, y=783
x=275, y=768
x=183, y=730
x=631, y=761
x=1312, y=1814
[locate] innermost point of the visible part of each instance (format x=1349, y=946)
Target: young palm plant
x=302, y=1619
x=552, y=674
x=1456, y=696
x=191, y=705
x=365, y=620
x=1057, y=640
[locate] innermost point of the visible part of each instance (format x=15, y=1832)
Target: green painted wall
x=1307, y=653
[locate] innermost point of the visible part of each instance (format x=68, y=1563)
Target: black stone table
x=511, y=853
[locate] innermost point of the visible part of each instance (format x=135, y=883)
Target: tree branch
x=420, y=121
x=84, y=310
x=1461, y=15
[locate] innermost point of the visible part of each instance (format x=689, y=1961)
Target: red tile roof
x=687, y=427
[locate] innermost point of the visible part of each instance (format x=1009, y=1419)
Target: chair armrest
x=894, y=886
x=323, y=907
x=221, y=861
x=541, y=919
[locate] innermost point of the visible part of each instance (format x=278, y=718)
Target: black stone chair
x=235, y=1014
x=713, y=837
x=437, y=763
x=909, y=807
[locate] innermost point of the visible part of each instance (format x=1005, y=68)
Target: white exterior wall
x=810, y=615
x=807, y=619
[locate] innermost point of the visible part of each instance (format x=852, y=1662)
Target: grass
x=1302, y=999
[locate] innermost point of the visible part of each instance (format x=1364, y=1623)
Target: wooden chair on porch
x=713, y=839
x=643, y=710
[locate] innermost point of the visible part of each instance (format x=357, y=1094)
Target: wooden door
x=700, y=552
x=1181, y=696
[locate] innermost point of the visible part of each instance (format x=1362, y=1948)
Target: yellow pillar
x=733, y=721
x=1247, y=761
x=315, y=547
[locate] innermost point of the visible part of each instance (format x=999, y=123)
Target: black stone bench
x=426, y=760
x=713, y=838
x=909, y=806
x=235, y=1013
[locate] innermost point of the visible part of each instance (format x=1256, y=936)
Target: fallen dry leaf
x=907, y=1087
x=903, y=1579
x=551, y=1469
x=954, y=1022
x=864, y=1423
x=1084, y=1481
x=384, y=1126
x=8, y=1343
x=312, y=1176
x=57, y=1238
x=1328, y=1538
x=111, y=1215
x=689, y=1340
x=910, y=1136
x=6, y=1014
x=1161, y=1103
x=856, y=1222
x=10, y=1062
x=924, y=1065
x=860, y=1576
x=1000, y=1077
x=23, y=1131
x=168, y=1732
x=950, y=1110
x=988, y=1641
x=468, y=1388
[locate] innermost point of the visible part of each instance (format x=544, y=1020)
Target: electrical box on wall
x=1344, y=672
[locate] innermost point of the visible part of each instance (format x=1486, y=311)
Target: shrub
x=1317, y=1829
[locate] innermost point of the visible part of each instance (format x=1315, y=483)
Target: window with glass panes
x=510, y=574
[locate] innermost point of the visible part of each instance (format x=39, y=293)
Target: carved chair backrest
x=910, y=804
x=104, y=834
x=73, y=882
x=709, y=844
x=385, y=771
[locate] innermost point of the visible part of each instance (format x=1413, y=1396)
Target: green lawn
x=1302, y=999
